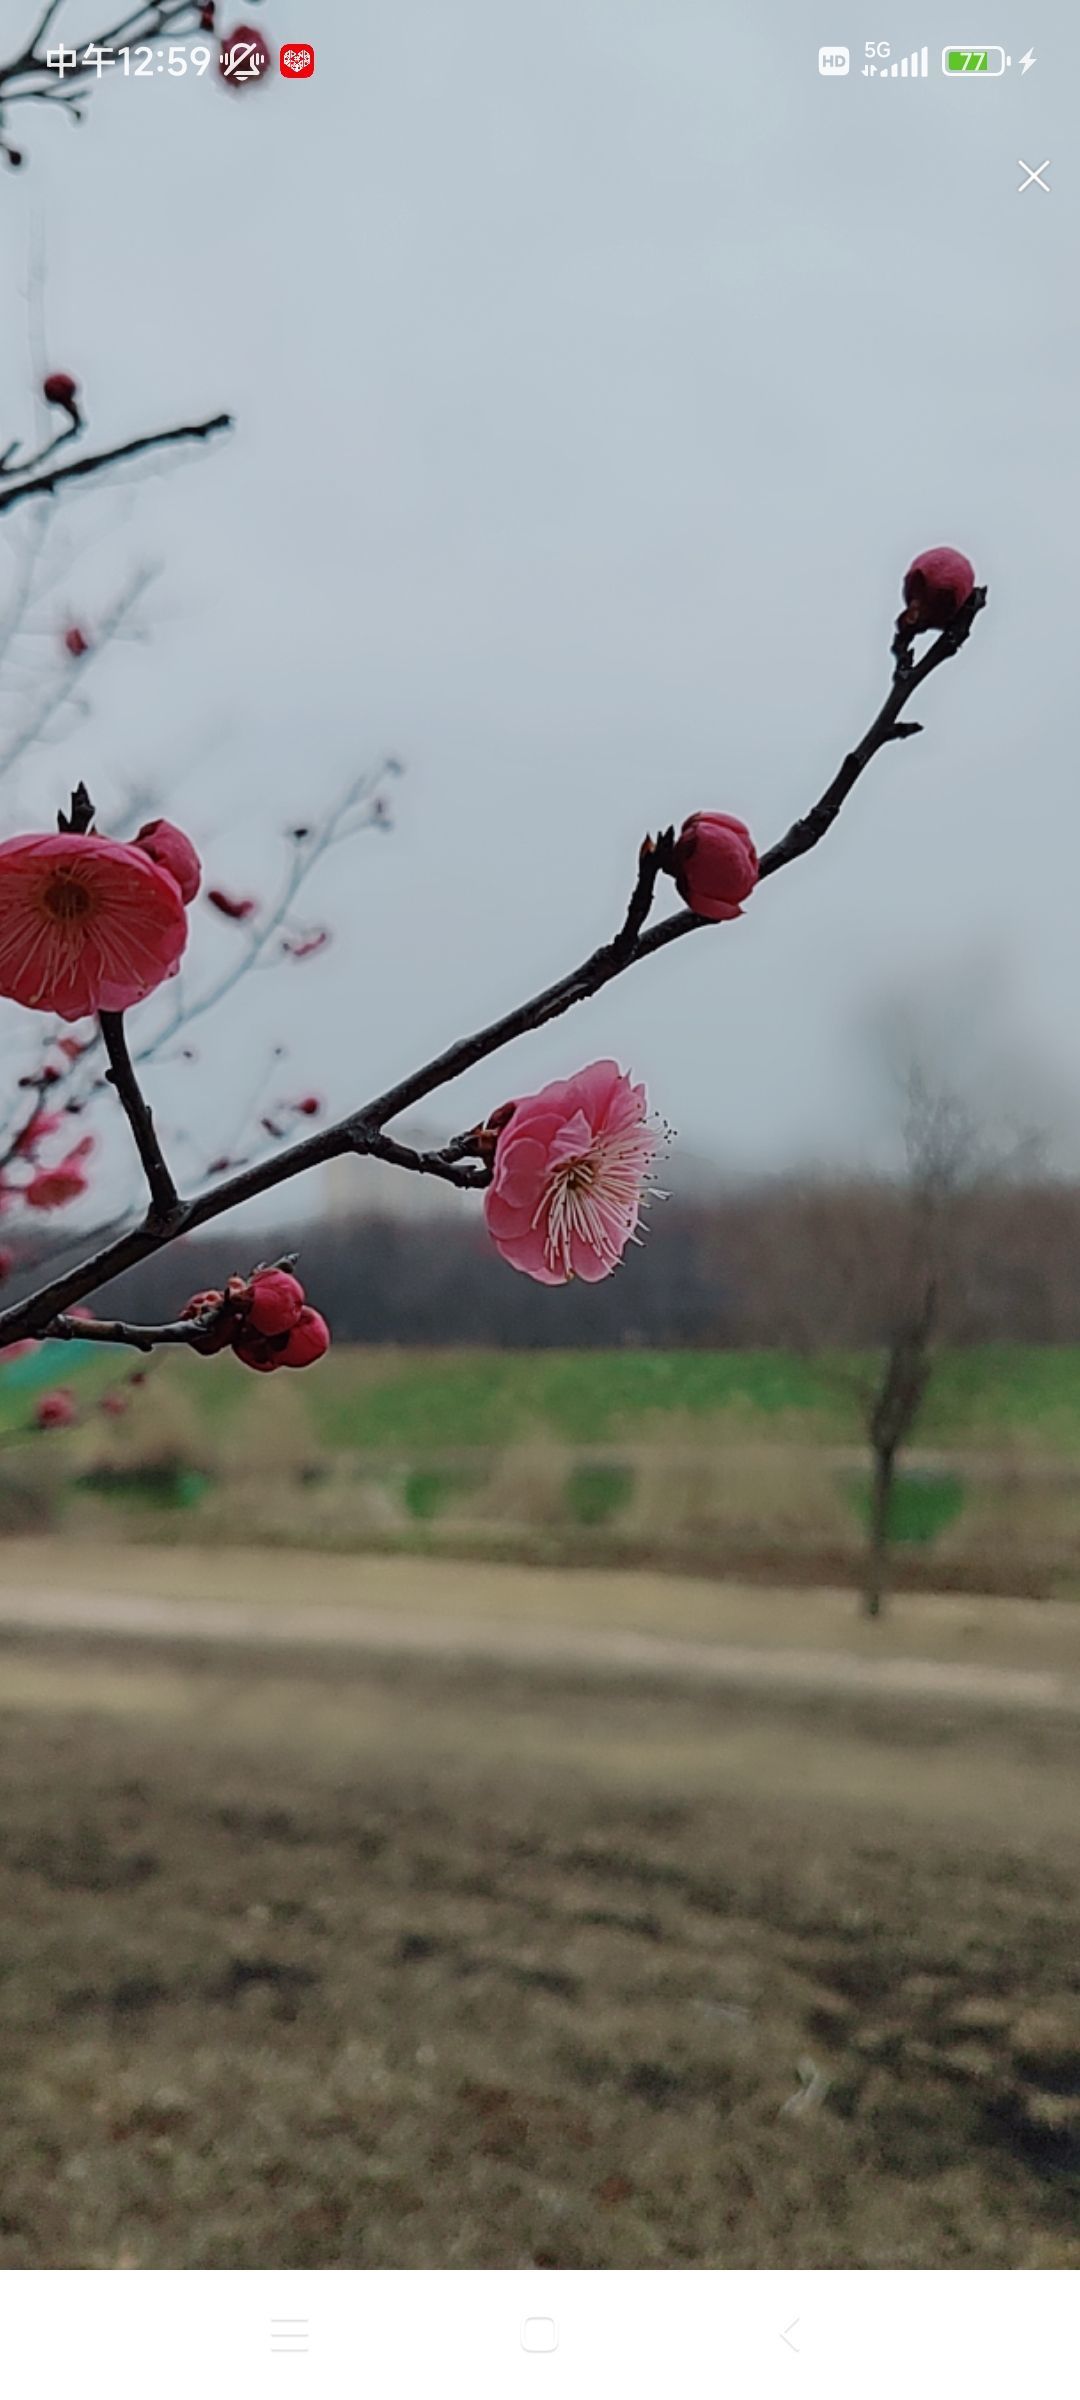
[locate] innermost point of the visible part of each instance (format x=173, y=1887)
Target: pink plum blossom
x=85, y=923
x=570, y=1168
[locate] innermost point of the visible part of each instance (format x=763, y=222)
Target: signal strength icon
x=917, y=64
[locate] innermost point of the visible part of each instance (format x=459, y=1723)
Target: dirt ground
x=336, y=1958
x=947, y=1627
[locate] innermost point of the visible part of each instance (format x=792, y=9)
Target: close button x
x=1033, y=174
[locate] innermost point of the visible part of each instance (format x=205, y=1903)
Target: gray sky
x=598, y=369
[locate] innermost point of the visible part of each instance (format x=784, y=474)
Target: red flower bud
x=54, y=1409
x=308, y=1107
x=936, y=585
x=60, y=391
x=56, y=1187
x=217, y=1336
x=716, y=865
x=276, y=1301
x=309, y=1340
x=244, y=57
x=75, y=642
x=171, y=849
x=113, y=1404
x=256, y=1350
x=227, y=906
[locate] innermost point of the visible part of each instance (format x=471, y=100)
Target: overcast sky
x=598, y=367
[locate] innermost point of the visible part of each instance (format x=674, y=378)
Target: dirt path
x=604, y=1653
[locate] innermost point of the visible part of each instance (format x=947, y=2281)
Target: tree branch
x=11, y=464
x=30, y=65
x=164, y=1197
x=133, y=1337
x=449, y=1165
x=363, y=1133
x=12, y=493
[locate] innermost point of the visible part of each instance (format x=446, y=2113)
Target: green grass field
x=414, y=1401
x=737, y=1460
x=418, y=1400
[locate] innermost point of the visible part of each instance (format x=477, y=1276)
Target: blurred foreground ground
x=346, y=1953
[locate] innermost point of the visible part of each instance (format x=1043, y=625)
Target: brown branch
x=12, y=493
x=164, y=1197
x=470, y=1175
x=184, y=1333
x=885, y=728
x=363, y=1131
x=654, y=858
x=11, y=464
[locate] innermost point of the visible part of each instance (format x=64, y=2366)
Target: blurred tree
x=942, y=1163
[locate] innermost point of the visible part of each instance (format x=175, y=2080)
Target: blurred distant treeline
x=792, y=1265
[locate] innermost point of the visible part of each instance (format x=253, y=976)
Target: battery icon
x=975, y=62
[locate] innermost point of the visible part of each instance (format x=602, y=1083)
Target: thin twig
x=654, y=858
x=133, y=1337
x=362, y=1132
x=30, y=65
x=12, y=493
x=469, y=1175
x=11, y=464
x=164, y=1197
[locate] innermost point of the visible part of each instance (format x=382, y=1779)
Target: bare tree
x=942, y=1159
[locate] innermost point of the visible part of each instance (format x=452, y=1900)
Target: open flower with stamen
x=570, y=1169
x=85, y=923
